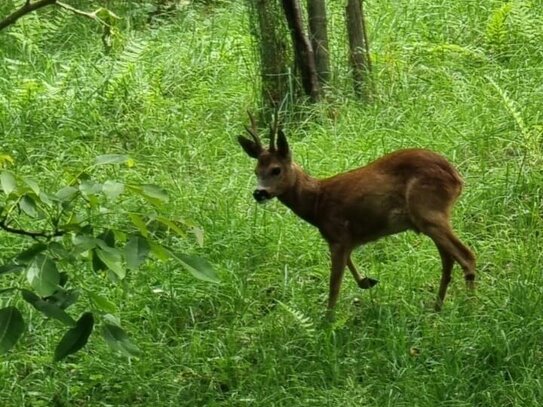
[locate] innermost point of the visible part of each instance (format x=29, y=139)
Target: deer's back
x=372, y=201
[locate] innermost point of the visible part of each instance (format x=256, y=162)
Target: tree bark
x=271, y=31
x=358, y=47
x=305, y=57
x=318, y=32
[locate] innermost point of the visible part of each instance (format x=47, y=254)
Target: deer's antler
x=253, y=130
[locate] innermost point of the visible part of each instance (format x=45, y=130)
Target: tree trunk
x=270, y=29
x=358, y=47
x=305, y=57
x=318, y=32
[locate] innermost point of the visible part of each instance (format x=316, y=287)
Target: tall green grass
x=461, y=78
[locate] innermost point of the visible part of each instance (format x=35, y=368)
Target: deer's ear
x=250, y=147
x=282, y=144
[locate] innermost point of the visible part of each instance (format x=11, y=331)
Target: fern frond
x=496, y=29
x=530, y=135
x=468, y=52
x=124, y=67
x=304, y=321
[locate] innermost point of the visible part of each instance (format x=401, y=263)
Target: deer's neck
x=302, y=198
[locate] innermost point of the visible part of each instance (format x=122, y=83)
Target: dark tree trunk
x=318, y=32
x=358, y=46
x=270, y=28
x=305, y=57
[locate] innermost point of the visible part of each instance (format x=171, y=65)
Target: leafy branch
x=29, y=7
x=32, y=234
x=84, y=233
x=26, y=8
x=103, y=16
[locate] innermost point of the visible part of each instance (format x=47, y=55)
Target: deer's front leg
x=339, y=256
x=363, y=282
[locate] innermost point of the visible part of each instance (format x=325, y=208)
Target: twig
x=33, y=234
x=76, y=11
x=26, y=8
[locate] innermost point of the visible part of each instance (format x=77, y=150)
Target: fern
x=514, y=26
x=497, y=31
x=530, y=134
x=468, y=52
x=530, y=24
x=304, y=321
x=122, y=71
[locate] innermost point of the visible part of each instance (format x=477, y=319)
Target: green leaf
x=136, y=251
x=28, y=206
x=8, y=182
x=65, y=194
x=84, y=242
x=199, y=234
x=197, y=266
x=102, y=303
x=112, y=258
x=63, y=279
x=75, y=338
x=63, y=298
x=139, y=223
x=48, y=309
x=11, y=328
x=112, y=189
x=111, y=159
x=108, y=237
x=10, y=268
x=28, y=255
x=160, y=251
x=47, y=198
x=97, y=264
x=155, y=192
x=118, y=340
x=33, y=185
x=43, y=276
x=59, y=250
x=171, y=224
x=89, y=187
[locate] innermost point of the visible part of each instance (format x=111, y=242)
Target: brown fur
x=412, y=189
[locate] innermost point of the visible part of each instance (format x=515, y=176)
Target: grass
x=451, y=76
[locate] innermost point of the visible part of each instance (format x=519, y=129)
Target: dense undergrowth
x=461, y=78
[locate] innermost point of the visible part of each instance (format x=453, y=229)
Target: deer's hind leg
x=444, y=238
x=429, y=209
x=447, y=262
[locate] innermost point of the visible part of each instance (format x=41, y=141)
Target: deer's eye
x=275, y=171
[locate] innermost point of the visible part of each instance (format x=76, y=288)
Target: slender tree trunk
x=270, y=29
x=318, y=32
x=305, y=57
x=358, y=46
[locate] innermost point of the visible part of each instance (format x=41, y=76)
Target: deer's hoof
x=367, y=282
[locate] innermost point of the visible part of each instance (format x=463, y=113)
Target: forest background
x=156, y=107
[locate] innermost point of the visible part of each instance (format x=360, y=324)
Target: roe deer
x=411, y=189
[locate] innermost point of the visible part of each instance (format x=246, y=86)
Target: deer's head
x=274, y=170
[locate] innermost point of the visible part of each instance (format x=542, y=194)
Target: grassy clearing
x=462, y=78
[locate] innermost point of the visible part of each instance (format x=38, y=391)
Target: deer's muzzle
x=261, y=195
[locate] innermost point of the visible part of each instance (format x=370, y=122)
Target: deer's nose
x=261, y=195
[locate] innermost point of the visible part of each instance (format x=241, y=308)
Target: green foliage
x=11, y=328
x=512, y=26
x=177, y=112
x=73, y=234
x=75, y=338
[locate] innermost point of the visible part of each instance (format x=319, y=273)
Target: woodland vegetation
x=135, y=268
